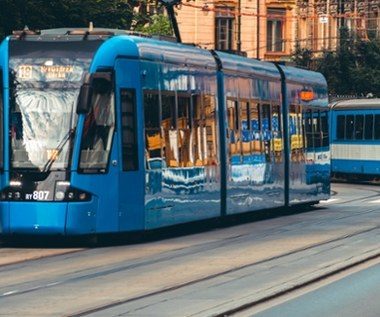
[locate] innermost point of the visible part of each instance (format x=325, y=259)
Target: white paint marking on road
x=328, y=201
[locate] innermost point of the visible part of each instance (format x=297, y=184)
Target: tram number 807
x=38, y=195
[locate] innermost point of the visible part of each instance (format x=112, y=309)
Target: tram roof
x=248, y=66
x=155, y=50
x=123, y=43
x=353, y=104
x=300, y=75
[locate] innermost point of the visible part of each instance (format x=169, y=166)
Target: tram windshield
x=45, y=79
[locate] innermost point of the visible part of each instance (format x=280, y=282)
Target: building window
x=224, y=25
x=275, y=30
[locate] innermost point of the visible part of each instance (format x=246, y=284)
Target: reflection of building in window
x=278, y=143
x=296, y=133
x=169, y=126
x=154, y=140
x=198, y=131
x=185, y=132
x=233, y=127
x=254, y=132
x=209, y=105
x=180, y=130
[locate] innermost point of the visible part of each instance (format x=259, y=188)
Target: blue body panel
x=4, y=56
x=38, y=218
x=355, y=167
x=154, y=194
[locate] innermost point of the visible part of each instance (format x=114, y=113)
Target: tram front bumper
x=47, y=218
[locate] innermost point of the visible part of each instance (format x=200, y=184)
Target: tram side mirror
x=97, y=83
x=85, y=96
x=101, y=82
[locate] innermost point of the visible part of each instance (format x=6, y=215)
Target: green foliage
x=159, y=24
x=353, y=69
x=44, y=14
x=303, y=57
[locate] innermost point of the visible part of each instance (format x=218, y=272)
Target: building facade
x=273, y=29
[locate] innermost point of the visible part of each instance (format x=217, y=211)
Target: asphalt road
x=352, y=296
x=208, y=273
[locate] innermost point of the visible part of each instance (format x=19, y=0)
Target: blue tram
x=103, y=132
x=355, y=139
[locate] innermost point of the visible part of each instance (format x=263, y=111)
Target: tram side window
x=210, y=127
x=296, y=133
x=245, y=128
x=309, y=129
x=359, y=127
x=198, y=130
x=316, y=128
x=185, y=131
x=169, y=127
x=324, y=116
x=340, y=127
x=98, y=130
x=129, y=137
x=350, y=127
x=255, y=128
x=377, y=127
x=277, y=133
x=154, y=141
x=368, y=127
x=233, y=129
x=266, y=131
x=180, y=130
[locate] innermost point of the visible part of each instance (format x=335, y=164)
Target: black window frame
x=1, y=121
x=224, y=28
x=129, y=144
x=275, y=30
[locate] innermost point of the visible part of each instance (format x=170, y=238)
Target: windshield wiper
x=58, y=150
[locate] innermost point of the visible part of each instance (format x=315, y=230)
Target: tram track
x=259, y=300
x=195, y=262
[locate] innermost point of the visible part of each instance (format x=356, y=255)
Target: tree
x=303, y=57
x=159, y=24
x=353, y=69
x=44, y=14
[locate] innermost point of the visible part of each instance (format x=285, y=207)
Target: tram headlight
x=82, y=196
x=12, y=192
x=65, y=192
x=59, y=195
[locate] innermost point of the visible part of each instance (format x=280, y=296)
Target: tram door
x=131, y=174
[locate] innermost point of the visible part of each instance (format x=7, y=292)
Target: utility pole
x=239, y=27
x=169, y=5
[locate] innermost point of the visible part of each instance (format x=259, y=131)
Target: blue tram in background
x=355, y=139
x=106, y=132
